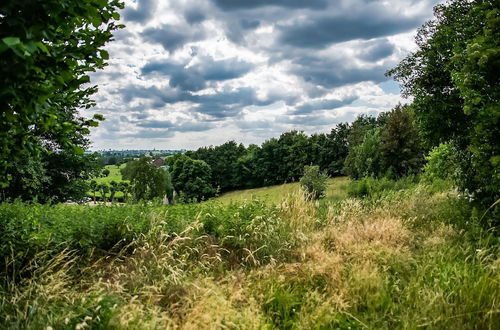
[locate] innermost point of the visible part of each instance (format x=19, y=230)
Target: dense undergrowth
x=406, y=255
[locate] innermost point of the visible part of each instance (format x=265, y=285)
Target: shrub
x=370, y=187
x=314, y=182
x=441, y=163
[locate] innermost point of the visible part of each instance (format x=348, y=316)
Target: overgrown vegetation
x=415, y=255
x=314, y=182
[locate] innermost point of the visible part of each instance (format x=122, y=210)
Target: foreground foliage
x=451, y=78
x=411, y=255
x=47, y=49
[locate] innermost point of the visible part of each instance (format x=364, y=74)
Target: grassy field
x=405, y=256
x=114, y=175
x=336, y=190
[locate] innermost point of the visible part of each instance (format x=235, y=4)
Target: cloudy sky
x=191, y=73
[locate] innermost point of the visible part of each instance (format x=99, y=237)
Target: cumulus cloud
x=172, y=37
x=143, y=11
x=190, y=73
x=195, y=77
x=245, y=4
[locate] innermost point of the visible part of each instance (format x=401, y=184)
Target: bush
x=314, y=182
x=441, y=163
x=370, y=187
x=365, y=159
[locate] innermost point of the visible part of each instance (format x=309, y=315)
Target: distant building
x=158, y=162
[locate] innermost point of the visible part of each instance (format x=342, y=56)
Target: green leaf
x=11, y=41
x=104, y=54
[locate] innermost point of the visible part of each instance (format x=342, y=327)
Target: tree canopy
x=453, y=79
x=46, y=50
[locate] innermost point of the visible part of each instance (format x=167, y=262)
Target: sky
x=189, y=73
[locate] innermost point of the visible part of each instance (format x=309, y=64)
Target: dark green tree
x=93, y=188
x=426, y=74
x=147, y=181
x=113, y=189
x=454, y=83
x=401, y=148
x=223, y=161
x=192, y=179
x=46, y=50
x=103, y=189
x=365, y=159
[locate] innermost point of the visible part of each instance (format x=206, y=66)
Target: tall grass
x=411, y=257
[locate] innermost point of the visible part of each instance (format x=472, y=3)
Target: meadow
x=114, y=174
x=403, y=256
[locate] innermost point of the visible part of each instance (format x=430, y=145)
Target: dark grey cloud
x=223, y=104
x=228, y=103
x=378, y=50
x=366, y=23
x=248, y=24
x=194, y=16
x=173, y=37
x=195, y=77
x=332, y=73
x=170, y=126
x=324, y=104
x=296, y=39
x=250, y=4
x=149, y=134
x=144, y=11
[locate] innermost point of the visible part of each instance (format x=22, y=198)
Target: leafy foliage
x=46, y=50
x=400, y=146
x=441, y=163
x=55, y=177
x=365, y=159
x=147, y=181
x=314, y=182
x=191, y=179
x=453, y=81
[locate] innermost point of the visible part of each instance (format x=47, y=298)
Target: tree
x=103, y=189
x=191, y=179
x=358, y=129
x=124, y=187
x=454, y=83
x=105, y=172
x=314, y=182
x=365, y=160
x=169, y=187
x=46, y=50
x=400, y=147
x=147, y=181
x=294, y=150
x=223, y=161
x=113, y=188
x=93, y=188
x=476, y=77
x=426, y=74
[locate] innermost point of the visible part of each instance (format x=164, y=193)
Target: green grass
x=411, y=255
x=336, y=190
x=114, y=175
